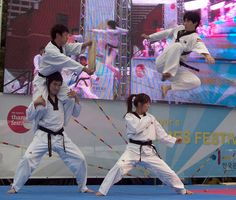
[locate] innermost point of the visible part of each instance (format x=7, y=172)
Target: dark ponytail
x=129, y=103
x=134, y=99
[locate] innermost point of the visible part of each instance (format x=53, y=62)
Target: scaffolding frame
x=123, y=19
x=82, y=17
x=180, y=11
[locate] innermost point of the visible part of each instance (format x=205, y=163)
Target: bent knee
x=196, y=82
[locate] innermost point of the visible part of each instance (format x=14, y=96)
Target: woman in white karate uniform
x=111, y=44
x=185, y=40
x=141, y=129
x=50, y=136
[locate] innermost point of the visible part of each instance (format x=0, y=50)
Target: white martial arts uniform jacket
x=145, y=128
x=191, y=42
x=54, y=61
x=71, y=108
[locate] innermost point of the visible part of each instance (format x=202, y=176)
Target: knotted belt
x=50, y=132
x=144, y=143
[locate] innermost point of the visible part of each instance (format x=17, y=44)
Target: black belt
x=188, y=66
x=41, y=75
x=110, y=47
x=186, y=53
x=50, y=132
x=84, y=80
x=144, y=143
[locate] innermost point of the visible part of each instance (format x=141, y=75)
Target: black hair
x=135, y=99
x=58, y=29
x=56, y=76
x=112, y=24
x=193, y=16
x=82, y=57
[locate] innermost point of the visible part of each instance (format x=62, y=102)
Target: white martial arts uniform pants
x=149, y=160
x=168, y=61
x=73, y=158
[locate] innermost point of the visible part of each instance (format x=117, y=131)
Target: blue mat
x=117, y=192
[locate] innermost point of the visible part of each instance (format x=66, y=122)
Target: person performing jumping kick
x=185, y=41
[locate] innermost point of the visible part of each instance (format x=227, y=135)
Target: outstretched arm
x=114, y=31
x=73, y=48
x=59, y=61
x=122, y=30
x=159, y=35
x=163, y=137
x=76, y=48
x=201, y=48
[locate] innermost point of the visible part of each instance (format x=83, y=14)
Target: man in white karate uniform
x=142, y=128
x=55, y=58
x=50, y=136
x=185, y=41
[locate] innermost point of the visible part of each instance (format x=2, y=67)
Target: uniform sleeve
x=58, y=61
x=31, y=112
x=36, y=62
x=112, y=31
x=161, y=35
x=94, y=76
x=162, y=136
x=76, y=110
x=199, y=46
x=99, y=31
x=137, y=125
x=122, y=30
x=73, y=48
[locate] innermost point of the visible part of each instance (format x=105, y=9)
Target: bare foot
x=188, y=192
x=11, y=191
x=165, y=76
x=99, y=194
x=164, y=90
x=88, y=191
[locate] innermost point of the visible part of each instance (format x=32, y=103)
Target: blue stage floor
x=121, y=192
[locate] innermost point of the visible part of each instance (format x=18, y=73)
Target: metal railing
x=28, y=75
